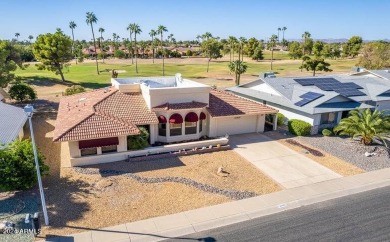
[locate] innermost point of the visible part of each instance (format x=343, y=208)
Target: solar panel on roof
x=302, y=102
x=311, y=95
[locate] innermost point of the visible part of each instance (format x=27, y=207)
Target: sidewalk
x=180, y=224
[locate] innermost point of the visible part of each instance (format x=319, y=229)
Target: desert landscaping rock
x=351, y=151
x=232, y=194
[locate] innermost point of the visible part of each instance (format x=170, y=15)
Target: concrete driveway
x=287, y=167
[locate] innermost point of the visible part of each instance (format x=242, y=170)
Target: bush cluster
x=22, y=92
x=281, y=118
x=327, y=132
x=74, y=90
x=299, y=127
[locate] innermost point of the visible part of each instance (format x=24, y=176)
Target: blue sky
x=187, y=19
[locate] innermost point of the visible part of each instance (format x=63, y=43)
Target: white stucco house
x=12, y=121
x=321, y=101
x=172, y=109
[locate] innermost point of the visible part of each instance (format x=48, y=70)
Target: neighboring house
x=321, y=101
x=172, y=109
x=12, y=121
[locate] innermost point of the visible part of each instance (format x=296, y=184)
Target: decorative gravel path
x=232, y=194
x=351, y=151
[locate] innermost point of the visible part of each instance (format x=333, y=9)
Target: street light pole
x=29, y=110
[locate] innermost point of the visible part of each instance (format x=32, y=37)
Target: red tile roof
x=178, y=106
x=101, y=113
x=223, y=103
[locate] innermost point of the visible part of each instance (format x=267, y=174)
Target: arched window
x=162, y=125
x=191, y=123
x=175, y=124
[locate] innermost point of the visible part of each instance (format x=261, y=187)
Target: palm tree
x=160, y=30
x=240, y=51
x=272, y=44
x=153, y=33
x=131, y=42
x=17, y=36
x=30, y=37
x=136, y=30
x=304, y=37
x=366, y=125
x=72, y=26
x=283, y=29
x=279, y=29
x=170, y=37
x=91, y=19
x=101, y=30
x=207, y=36
x=237, y=67
x=232, y=42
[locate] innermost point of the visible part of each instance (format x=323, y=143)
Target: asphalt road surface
x=361, y=217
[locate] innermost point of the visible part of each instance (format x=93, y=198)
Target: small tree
x=119, y=54
x=315, y=64
x=211, y=48
x=22, y=92
x=258, y=54
x=74, y=90
x=295, y=50
x=353, y=46
x=10, y=60
x=17, y=166
x=53, y=51
x=237, y=67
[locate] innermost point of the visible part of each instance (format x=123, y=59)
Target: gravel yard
x=351, y=151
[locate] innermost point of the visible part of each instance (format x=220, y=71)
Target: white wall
x=311, y=119
x=158, y=96
x=236, y=125
x=74, y=149
x=111, y=157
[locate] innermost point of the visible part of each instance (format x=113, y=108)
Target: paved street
x=361, y=217
x=288, y=167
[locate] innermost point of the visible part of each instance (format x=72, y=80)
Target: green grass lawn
x=85, y=73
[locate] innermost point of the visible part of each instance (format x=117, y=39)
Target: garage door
x=236, y=125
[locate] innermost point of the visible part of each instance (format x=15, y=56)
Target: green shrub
x=189, y=53
x=326, y=132
x=17, y=166
x=22, y=92
x=281, y=118
x=74, y=90
x=299, y=127
x=138, y=142
x=119, y=54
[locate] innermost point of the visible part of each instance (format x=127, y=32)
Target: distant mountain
x=324, y=40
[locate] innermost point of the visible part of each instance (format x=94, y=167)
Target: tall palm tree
x=136, y=30
x=152, y=34
x=170, y=37
x=366, y=125
x=232, y=42
x=30, y=37
x=90, y=20
x=283, y=29
x=207, y=36
x=305, y=36
x=101, y=31
x=17, y=36
x=131, y=42
x=72, y=26
x=241, y=47
x=279, y=29
x=272, y=44
x=160, y=30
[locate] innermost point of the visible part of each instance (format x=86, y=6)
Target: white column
x=275, y=119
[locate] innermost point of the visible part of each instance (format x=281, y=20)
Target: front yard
x=79, y=199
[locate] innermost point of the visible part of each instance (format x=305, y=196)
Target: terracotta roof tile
x=177, y=106
x=127, y=106
x=223, y=103
x=101, y=113
x=99, y=126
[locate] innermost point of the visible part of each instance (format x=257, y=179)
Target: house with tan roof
x=172, y=109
